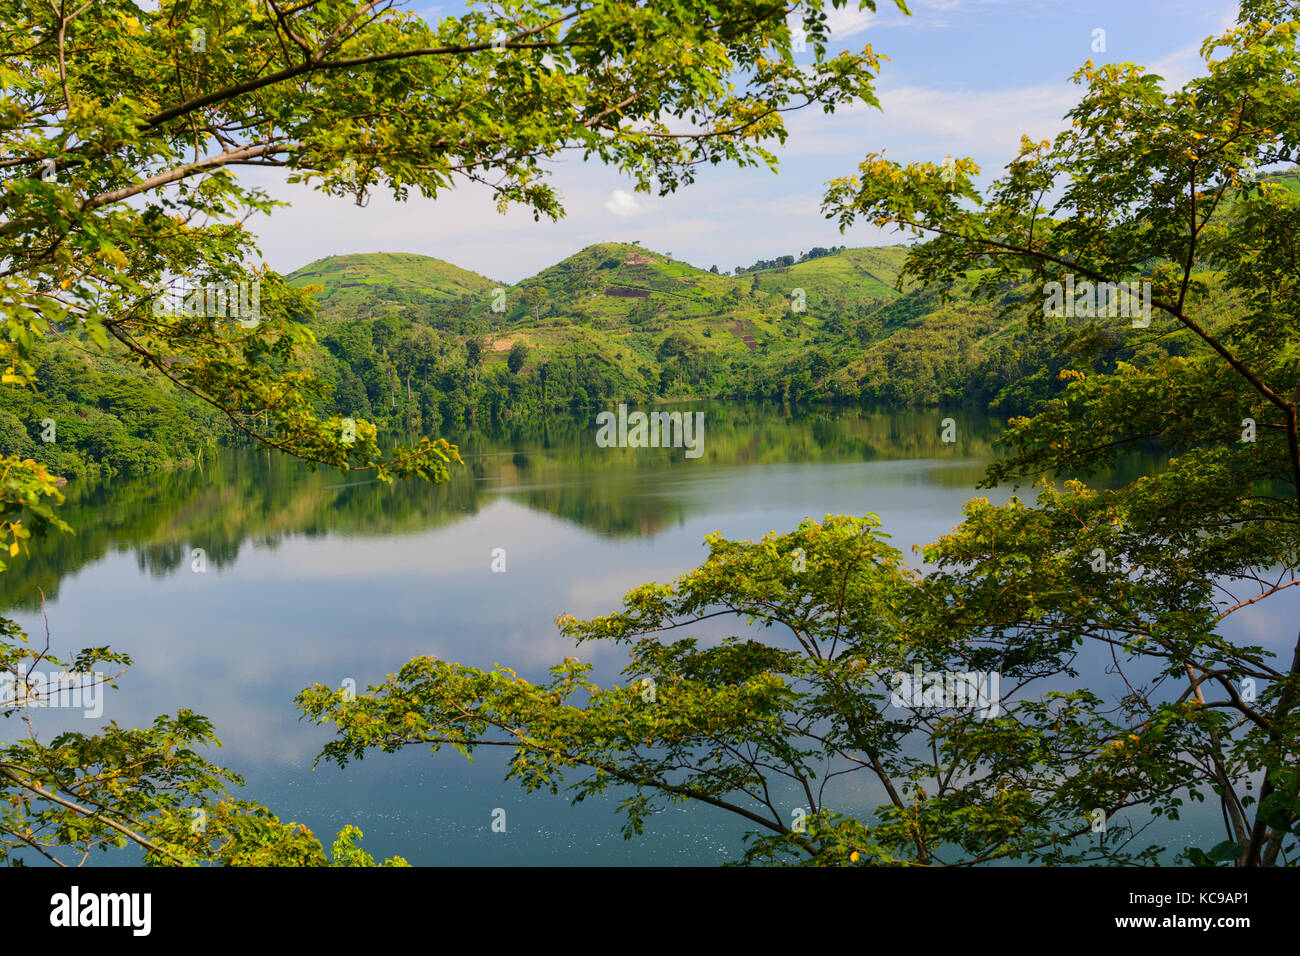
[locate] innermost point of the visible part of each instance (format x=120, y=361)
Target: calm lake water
x=317, y=576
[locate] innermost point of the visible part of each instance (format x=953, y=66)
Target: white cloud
x=624, y=204
x=925, y=123
x=844, y=22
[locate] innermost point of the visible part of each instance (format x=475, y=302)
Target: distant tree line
x=780, y=262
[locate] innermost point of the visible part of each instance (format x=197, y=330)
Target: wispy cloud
x=974, y=122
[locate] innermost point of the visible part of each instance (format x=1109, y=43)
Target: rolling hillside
x=616, y=301
x=611, y=319
x=359, y=284
x=615, y=320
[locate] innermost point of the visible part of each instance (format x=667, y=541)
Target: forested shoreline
x=400, y=344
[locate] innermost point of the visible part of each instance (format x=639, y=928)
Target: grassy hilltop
x=364, y=281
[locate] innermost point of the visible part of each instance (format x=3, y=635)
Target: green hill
x=842, y=279
x=615, y=285
x=618, y=321
x=364, y=283
x=613, y=319
x=669, y=329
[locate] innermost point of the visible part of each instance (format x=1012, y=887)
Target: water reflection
x=317, y=576
x=551, y=465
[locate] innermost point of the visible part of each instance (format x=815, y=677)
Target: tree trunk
x=1260, y=833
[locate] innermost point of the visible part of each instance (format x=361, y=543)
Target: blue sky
x=964, y=77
